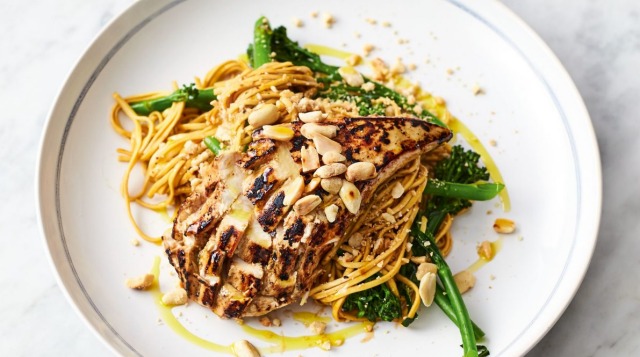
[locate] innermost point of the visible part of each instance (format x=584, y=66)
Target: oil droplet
x=308, y=317
x=328, y=51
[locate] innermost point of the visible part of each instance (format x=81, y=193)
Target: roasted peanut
x=330, y=170
x=265, y=115
x=307, y=204
x=360, y=171
x=351, y=197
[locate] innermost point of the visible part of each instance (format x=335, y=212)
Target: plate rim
x=588, y=238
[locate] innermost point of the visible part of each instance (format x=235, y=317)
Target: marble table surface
x=598, y=41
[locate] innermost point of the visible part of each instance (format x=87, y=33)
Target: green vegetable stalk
x=474, y=192
x=193, y=98
x=455, y=298
x=261, y=50
x=443, y=303
x=213, y=144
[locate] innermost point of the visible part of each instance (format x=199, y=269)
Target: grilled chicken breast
x=248, y=240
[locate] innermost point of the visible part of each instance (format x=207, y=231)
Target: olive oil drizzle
x=280, y=342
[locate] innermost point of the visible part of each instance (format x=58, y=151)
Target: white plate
x=546, y=151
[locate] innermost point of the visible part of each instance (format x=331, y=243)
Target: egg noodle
x=169, y=147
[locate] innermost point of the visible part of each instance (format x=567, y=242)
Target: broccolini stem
x=475, y=192
x=193, y=98
x=261, y=42
x=443, y=303
x=455, y=298
x=213, y=144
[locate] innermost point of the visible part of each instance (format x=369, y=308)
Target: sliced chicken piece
x=238, y=246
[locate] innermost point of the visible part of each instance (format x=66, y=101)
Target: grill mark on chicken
x=294, y=233
x=241, y=252
x=272, y=213
x=208, y=297
x=261, y=186
x=201, y=225
x=258, y=152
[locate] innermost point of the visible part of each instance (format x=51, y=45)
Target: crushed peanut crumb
x=328, y=20
x=276, y=322
x=371, y=21
x=297, y=22
x=314, y=14
x=265, y=321
x=326, y=345
x=389, y=217
x=353, y=60
x=398, y=67
x=318, y=327
x=367, y=49
x=368, y=87
x=492, y=142
x=386, y=23
x=380, y=70
x=175, y=297
x=141, y=282
x=476, y=90
x=135, y=242
x=449, y=71
x=485, y=250
x=412, y=66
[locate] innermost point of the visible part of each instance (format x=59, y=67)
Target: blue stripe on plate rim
x=174, y=3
